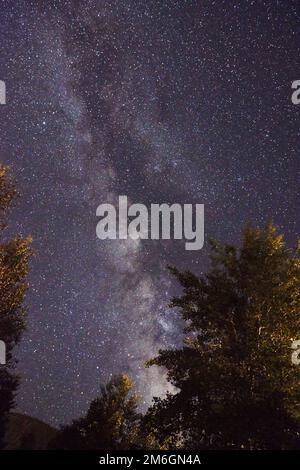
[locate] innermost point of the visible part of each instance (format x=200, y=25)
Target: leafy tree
x=14, y=256
x=110, y=423
x=237, y=386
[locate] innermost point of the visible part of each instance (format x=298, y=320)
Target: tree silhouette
x=14, y=256
x=110, y=423
x=237, y=386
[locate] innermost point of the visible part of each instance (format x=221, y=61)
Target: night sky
x=184, y=101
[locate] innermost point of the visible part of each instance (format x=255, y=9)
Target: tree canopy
x=237, y=386
x=14, y=258
x=111, y=421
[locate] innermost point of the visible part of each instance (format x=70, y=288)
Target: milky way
x=162, y=101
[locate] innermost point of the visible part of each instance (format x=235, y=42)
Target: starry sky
x=185, y=101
